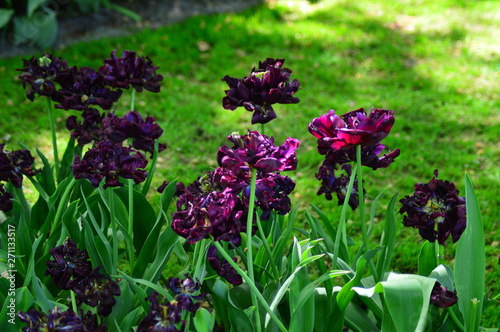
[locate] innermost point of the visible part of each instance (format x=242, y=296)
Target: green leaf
x=388, y=240
x=34, y=5
x=203, y=320
x=406, y=301
x=470, y=263
x=5, y=16
x=427, y=258
x=39, y=30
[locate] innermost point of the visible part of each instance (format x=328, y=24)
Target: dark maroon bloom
x=91, y=322
x=110, y=161
x=13, y=164
x=258, y=151
x=5, y=199
x=96, y=289
x=351, y=129
x=269, y=84
x=216, y=214
x=442, y=297
x=185, y=290
x=56, y=320
x=84, y=89
x=435, y=202
x=131, y=70
x=271, y=192
x=369, y=156
x=330, y=183
x=144, y=132
x=69, y=262
x=90, y=129
x=162, y=317
x=223, y=268
x=42, y=75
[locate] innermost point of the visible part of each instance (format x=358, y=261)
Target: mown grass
x=435, y=64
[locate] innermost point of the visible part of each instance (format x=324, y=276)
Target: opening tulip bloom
x=352, y=128
x=56, y=320
x=131, y=70
x=258, y=151
x=442, y=297
x=269, y=84
x=15, y=164
x=436, y=202
x=223, y=268
x=5, y=199
x=110, y=161
x=162, y=317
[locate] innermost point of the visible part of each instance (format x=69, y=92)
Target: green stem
x=114, y=230
x=362, y=210
x=252, y=286
x=341, y=231
x=73, y=301
x=62, y=204
x=132, y=99
x=268, y=249
x=131, y=224
x=251, y=208
x=52, y=124
x=455, y=319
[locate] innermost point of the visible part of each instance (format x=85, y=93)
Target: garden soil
x=106, y=22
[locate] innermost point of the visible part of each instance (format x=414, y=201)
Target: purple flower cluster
x=81, y=88
x=269, y=84
x=58, y=320
x=110, y=161
x=442, y=297
x=72, y=269
x=13, y=165
x=216, y=204
x=167, y=316
x=222, y=267
x=436, y=202
x=338, y=137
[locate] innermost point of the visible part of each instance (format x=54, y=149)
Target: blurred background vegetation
x=435, y=63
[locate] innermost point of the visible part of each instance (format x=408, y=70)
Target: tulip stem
x=252, y=286
x=131, y=223
x=251, y=207
x=362, y=210
x=341, y=230
x=54, y=137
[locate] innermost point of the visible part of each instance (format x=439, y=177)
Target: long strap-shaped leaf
x=470, y=263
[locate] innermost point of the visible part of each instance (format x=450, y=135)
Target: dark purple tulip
x=330, y=183
x=84, y=89
x=69, y=262
x=442, y=297
x=96, y=289
x=42, y=75
x=258, y=151
x=271, y=193
x=13, y=164
x=269, y=84
x=110, y=161
x=91, y=322
x=369, y=156
x=144, y=132
x=185, y=290
x=222, y=267
x=162, y=317
x=90, y=129
x=56, y=320
x=131, y=70
x=215, y=214
x=351, y=129
x=5, y=199
x=436, y=202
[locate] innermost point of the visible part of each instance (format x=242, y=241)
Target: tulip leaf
x=427, y=258
x=388, y=240
x=203, y=320
x=470, y=263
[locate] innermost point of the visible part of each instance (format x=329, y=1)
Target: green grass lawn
x=436, y=64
